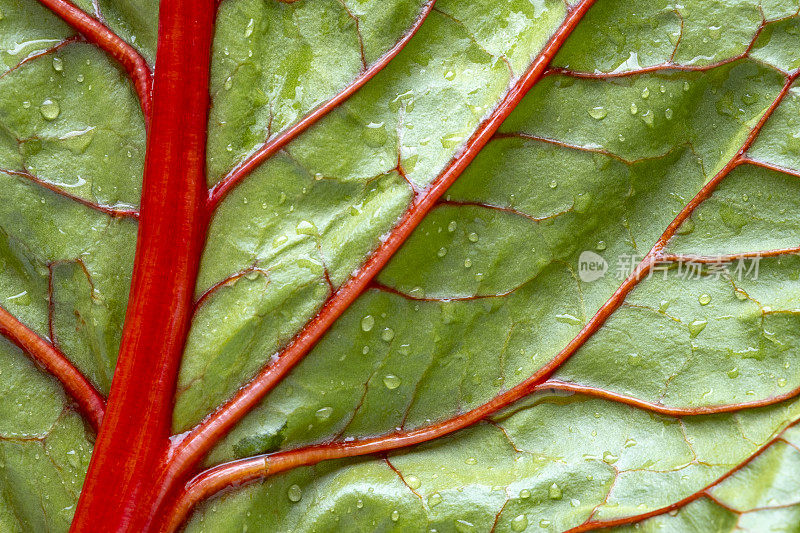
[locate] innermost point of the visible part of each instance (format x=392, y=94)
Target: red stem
x=95, y=32
x=89, y=400
x=135, y=434
x=268, y=149
x=196, y=444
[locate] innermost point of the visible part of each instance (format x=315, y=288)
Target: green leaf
x=662, y=133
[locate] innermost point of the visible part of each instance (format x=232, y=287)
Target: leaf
x=470, y=266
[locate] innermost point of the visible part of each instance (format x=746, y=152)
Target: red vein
x=51, y=50
x=268, y=149
x=772, y=166
x=90, y=402
x=113, y=211
x=198, y=440
x=678, y=412
x=97, y=33
x=727, y=258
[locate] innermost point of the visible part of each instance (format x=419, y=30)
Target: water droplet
x=58, y=64
x=704, y=299
x=749, y=98
x=781, y=382
x=359, y=504
x=568, y=319
x=391, y=381
x=714, y=31
x=575, y=502
x=413, y=482
x=733, y=373
x=295, y=493
x=80, y=78
x=442, y=252
x=228, y=83
x=598, y=113
x=634, y=108
x=647, y=117
x=519, y=523
x=553, y=184
x=367, y=323
x=462, y=526
x=696, y=327
x=646, y=93
x=434, y=499
x=467, y=262
x=451, y=227
x=252, y=275
x=630, y=443
x=471, y=461
x=473, y=237
x=395, y=516
x=450, y=75
x=375, y=134
x=452, y=140
x=387, y=334
x=554, y=492
x=306, y=227
x=26, y=104
x=50, y=109
x=668, y=113
x=524, y=494
x=600, y=246
x=279, y=240
x=610, y=458
x=686, y=86
x=324, y=413
x=248, y=31
x=544, y=522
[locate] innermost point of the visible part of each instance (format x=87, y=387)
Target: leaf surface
x=661, y=142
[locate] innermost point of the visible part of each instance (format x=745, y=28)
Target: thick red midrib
x=135, y=433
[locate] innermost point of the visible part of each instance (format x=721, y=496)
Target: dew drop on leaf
x=554, y=492
x=375, y=134
x=324, y=413
x=413, y=482
x=609, y=458
x=305, y=227
x=471, y=461
x=645, y=93
x=462, y=526
x=704, y=299
x=733, y=373
x=544, y=522
x=395, y=516
x=598, y=113
x=696, y=327
x=391, y=381
x=600, y=246
x=668, y=113
x=473, y=237
x=452, y=140
x=367, y=323
x=387, y=334
x=58, y=64
x=295, y=493
x=634, y=108
x=781, y=382
x=228, y=83
x=553, y=184
x=519, y=523
x=434, y=499
x=50, y=109
x=451, y=227
x=467, y=262
x=442, y=252
x=568, y=319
